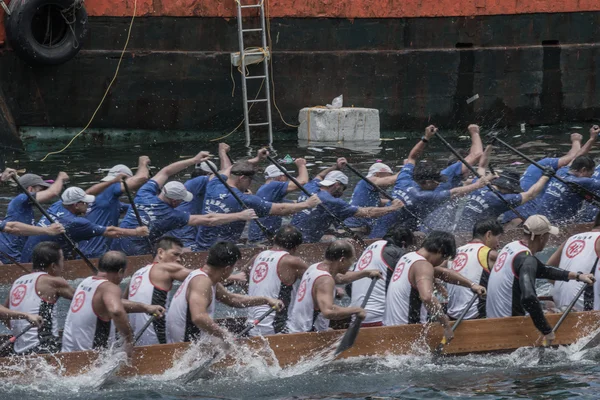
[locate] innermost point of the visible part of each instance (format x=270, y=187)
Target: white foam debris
x=517, y=136
x=329, y=148
x=318, y=162
x=315, y=149
x=576, y=127
x=472, y=99
x=310, y=164
x=308, y=157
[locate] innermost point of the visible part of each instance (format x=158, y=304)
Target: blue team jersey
x=442, y=218
x=77, y=228
x=483, y=204
x=533, y=174
x=588, y=211
x=273, y=192
x=453, y=174
x=218, y=200
x=314, y=222
x=105, y=211
x=197, y=187
x=364, y=195
x=156, y=214
x=19, y=210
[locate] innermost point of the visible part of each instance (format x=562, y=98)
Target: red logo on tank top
x=398, y=271
x=135, y=285
x=302, y=290
x=178, y=292
x=260, y=272
x=460, y=261
x=17, y=295
x=365, y=260
x=575, y=248
x=500, y=262
x=77, y=302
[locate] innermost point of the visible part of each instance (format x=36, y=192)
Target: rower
x=410, y=293
x=190, y=315
x=314, y=305
x=69, y=212
x=201, y=175
x=329, y=186
x=276, y=187
x=97, y=303
x=107, y=208
x=579, y=254
x=20, y=209
x=417, y=187
x=151, y=285
x=474, y=261
x=157, y=203
x=219, y=201
x=37, y=293
x=511, y=286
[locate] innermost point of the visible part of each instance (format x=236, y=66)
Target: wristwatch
x=424, y=139
x=578, y=274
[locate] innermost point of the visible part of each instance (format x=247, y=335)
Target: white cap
x=537, y=225
x=176, y=191
x=333, y=177
x=273, y=172
x=74, y=195
x=378, y=167
x=204, y=166
x=116, y=170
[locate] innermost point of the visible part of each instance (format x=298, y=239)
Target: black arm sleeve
x=552, y=273
x=528, y=272
x=391, y=254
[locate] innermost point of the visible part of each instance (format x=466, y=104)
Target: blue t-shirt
x=77, y=228
x=533, y=174
x=453, y=174
x=444, y=215
x=155, y=213
x=559, y=203
x=218, y=200
x=196, y=186
x=588, y=211
x=273, y=192
x=364, y=195
x=314, y=222
x=105, y=211
x=19, y=210
x=483, y=204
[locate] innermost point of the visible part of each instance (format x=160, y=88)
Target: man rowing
x=474, y=261
x=329, y=186
x=151, y=285
x=511, y=286
x=578, y=254
x=219, y=201
x=276, y=187
x=20, y=209
x=69, y=212
x=191, y=313
x=37, y=293
x=107, y=207
x=157, y=203
x=97, y=304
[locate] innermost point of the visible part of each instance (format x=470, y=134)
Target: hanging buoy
x=46, y=32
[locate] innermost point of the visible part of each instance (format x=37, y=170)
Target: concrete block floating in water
x=341, y=124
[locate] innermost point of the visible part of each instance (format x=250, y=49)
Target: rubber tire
x=20, y=35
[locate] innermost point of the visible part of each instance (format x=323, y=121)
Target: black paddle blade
x=595, y=341
x=349, y=337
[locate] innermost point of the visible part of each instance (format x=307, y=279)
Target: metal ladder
x=266, y=99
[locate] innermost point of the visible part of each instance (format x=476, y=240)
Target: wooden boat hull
x=311, y=253
x=475, y=336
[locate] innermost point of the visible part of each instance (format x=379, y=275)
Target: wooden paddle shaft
x=256, y=322
x=13, y=339
x=15, y=262
x=146, y=325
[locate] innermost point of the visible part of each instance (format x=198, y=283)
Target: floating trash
x=315, y=149
x=463, y=137
x=388, y=149
x=576, y=127
x=318, y=162
x=310, y=164
x=308, y=157
x=287, y=159
x=385, y=139
x=522, y=128
x=544, y=126
x=330, y=148
x=517, y=163
x=472, y=99
x=517, y=136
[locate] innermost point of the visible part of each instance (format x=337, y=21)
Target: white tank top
x=471, y=261
x=578, y=255
x=84, y=329
x=180, y=327
x=500, y=285
x=372, y=259
x=264, y=280
x=24, y=298
x=142, y=290
x=403, y=304
x=304, y=316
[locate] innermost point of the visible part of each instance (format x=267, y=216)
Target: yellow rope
x=107, y=89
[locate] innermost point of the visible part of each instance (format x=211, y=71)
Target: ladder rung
x=257, y=101
x=251, y=6
x=254, y=53
x=256, y=77
x=259, y=124
x=252, y=30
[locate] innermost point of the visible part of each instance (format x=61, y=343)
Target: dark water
x=560, y=374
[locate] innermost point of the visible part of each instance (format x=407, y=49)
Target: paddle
x=134, y=207
x=256, y=322
x=146, y=325
x=564, y=314
x=352, y=331
x=474, y=171
x=64, y=235
x=587, y=195
x=384, y=193
x=268, y=234
x=440, y=347
x=15, y=262
x=13, y=339
x=307, y=193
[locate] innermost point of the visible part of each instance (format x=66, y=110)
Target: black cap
x=508, y=180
